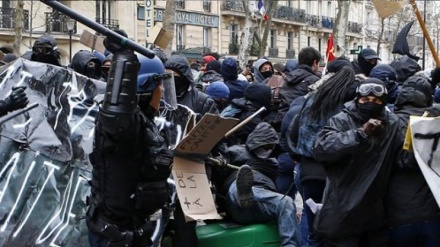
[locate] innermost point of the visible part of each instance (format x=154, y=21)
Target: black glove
x=16, y=100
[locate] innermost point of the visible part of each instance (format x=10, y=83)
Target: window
x=206, y=37
x=179, y=34
x=234, y=33
x=289, y=40
x=309, y=7
x=309, y=41
x=141, y=13
x=273, y=38
x=103, y=10
x=319, y=45
x=207, y=5
x=329, y=9
x=320, y=8
x=289, y=3
x=180, y=4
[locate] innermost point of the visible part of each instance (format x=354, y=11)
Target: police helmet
x=150, y=73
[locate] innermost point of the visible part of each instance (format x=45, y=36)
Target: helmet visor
x=169, y=90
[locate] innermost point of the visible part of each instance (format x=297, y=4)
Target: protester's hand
x=17, y=99
x=372, y=126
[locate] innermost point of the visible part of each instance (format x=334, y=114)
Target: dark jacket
x=229, y=72
x=296, y=85
x=265, y=170
x=409, y=198
x=358, y=168
x=197, y=101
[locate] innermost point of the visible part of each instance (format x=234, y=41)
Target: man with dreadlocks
x=326, y=102
x=358, y=147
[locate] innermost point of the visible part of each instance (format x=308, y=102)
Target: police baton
x=244, y=122
x=18, y=112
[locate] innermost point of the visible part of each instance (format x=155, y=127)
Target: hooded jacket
x=265, y=170
x=296, y=85
x=193, y=98
x=258, y=77
x=410, y=199
x=53, y=57
x=229, y=72
x=79, y=64
x=358, y=168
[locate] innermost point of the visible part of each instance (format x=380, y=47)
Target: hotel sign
x=189, y=18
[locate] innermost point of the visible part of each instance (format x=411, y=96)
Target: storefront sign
x=189, y=18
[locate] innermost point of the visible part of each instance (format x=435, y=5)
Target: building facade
x=201, y=26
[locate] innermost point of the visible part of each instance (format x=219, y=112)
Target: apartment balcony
x=7, y=16
x=354, y=27
x=273, y=52
x=111, y=24
x=234, y=48
x=207, y=7
x=290, y=54
x=57, y=22
x=233, y=5
x=290, y=14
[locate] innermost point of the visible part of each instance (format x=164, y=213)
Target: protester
x=45, y=50
x=212, y=74
x=337, y=64
x=388, y=75
x=366, y=61
x=252, y=196
x=412, y=211
x=186, y=92
x=106, y=64
x=320, y=106
x=291, y=65
x=229, y=73
x=298, y=81
x=255, y=97
x=358, y=148
x=263, y=69
x=131, y=160
x=219, y=92
x=405, y=67
x=85, y=63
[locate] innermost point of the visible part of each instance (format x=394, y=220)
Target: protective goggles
x=371, y=89
x=42, y=50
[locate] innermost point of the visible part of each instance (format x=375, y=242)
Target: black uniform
x=131, y=163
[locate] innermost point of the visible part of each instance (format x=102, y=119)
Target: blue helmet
x=150, y=73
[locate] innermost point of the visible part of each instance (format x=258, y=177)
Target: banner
x=425, y=135
x=386, y=8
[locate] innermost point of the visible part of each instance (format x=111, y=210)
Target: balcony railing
x=207, y=6
x=290, y=53
x=108, y=23
x=7, y=17
x=273, y=52
x=180, y=47
x=327, y=22
x=290, y=14
x=233, y=5
x=354, y=27
x=313, y=20
x=57, y=22
x=234, y=48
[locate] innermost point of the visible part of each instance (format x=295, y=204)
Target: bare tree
x=271, y=7
x=168, y=22
x=247, y=34
x=18, y=26
x=340, y=27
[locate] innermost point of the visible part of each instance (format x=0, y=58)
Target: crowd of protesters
x=333, y=136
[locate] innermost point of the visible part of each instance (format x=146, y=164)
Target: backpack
x=302, y=131
x=275, y=83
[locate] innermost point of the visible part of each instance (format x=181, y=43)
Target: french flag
x=262, y=10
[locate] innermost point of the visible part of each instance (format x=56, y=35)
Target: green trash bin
x=227, y=234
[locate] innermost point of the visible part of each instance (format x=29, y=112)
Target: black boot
x=244, y=183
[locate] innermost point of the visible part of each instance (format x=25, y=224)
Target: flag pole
x=425, y=32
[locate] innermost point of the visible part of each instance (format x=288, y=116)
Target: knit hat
x=214, y=65
x=229, y=69
x=217, y=90
x=259, y=94
x=206, y=59
x=337, y=64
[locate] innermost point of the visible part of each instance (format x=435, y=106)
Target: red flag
x=330, y=53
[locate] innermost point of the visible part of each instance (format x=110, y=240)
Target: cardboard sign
x=160, y=37
x=425, y=135
x=190, y=177
x=92, y=41
x=386, y=8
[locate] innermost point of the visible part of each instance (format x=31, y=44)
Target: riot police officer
x=131, y=161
